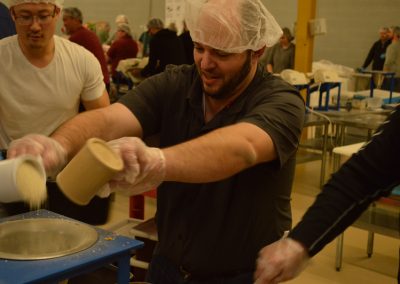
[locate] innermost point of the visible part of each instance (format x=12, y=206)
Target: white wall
x=284, y=11
x=352, y=25
x=352, y=28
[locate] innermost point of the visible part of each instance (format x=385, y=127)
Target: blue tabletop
x=108, y=248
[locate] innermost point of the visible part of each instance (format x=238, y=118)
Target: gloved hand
x=144, y=167
x=360, y=69
x=280, y=261
x=54, y=156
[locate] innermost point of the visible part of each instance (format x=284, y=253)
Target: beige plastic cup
x=23, y=179
x=94, y=165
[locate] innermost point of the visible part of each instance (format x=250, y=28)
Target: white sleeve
x=93, y=86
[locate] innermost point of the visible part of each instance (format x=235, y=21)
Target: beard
x=227, y=90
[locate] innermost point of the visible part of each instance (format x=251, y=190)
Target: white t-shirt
x=38, y=100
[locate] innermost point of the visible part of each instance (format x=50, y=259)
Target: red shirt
x=91, y=42
x=122, y=48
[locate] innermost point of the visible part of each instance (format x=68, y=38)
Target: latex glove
x=280, y=261
x=144, y=168
x=54, y=156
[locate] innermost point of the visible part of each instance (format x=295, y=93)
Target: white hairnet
x=125, y=28
x=58, y=3
x=231, y=25
x=121, y=19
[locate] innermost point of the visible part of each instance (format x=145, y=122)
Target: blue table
x=109, y=248
x=326, y=87
x=385, y=74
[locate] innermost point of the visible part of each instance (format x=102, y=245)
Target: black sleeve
x=151, y=67
x=366, y=176
x=370, y=56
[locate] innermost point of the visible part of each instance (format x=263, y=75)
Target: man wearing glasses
x=43, y=79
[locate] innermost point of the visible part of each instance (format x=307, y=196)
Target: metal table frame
x=320, y=144
x=389, y=75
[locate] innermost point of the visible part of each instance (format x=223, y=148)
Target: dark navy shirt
x=7, y=26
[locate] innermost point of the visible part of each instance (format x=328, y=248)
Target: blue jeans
x=162, y=271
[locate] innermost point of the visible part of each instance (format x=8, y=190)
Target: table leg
x=338, y=97
x=391, y=88
x=339, y=252
x=340, y=130
x=123, y=269
x=343, y=135
x=370, y=244
x=371, y=87
x=324, y=153
x=328, y=88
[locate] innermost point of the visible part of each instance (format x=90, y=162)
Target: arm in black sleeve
x=366, y=176
x=370, y=56
x=151, y=67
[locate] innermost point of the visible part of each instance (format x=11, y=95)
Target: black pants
x=95, y=213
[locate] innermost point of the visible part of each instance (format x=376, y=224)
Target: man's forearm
x=219, y=154
x=74, y=133
x=108, y=123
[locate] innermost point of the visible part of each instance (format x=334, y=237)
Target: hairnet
x=121, y=19
x=73, y=12
x=231, y=25
x=58, y=3
x=125, y=28
x=155, y=23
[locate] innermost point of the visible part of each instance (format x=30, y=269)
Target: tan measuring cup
x=94, y=165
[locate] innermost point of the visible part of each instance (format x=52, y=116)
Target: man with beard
x=43, y=79
x=228, y=133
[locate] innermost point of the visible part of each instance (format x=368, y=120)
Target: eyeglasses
x=42, y=19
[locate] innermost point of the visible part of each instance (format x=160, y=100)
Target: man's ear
x=257, y=54
x=12, y=14
x=260, y=52
x=58, y=13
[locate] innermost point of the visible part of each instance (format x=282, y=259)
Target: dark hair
x=287, y=34
x=74, y=13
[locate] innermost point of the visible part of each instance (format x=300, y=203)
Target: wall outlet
x=317, y=26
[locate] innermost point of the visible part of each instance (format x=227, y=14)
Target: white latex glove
x=54, y=156
x=144, y=167
x=280, y=261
